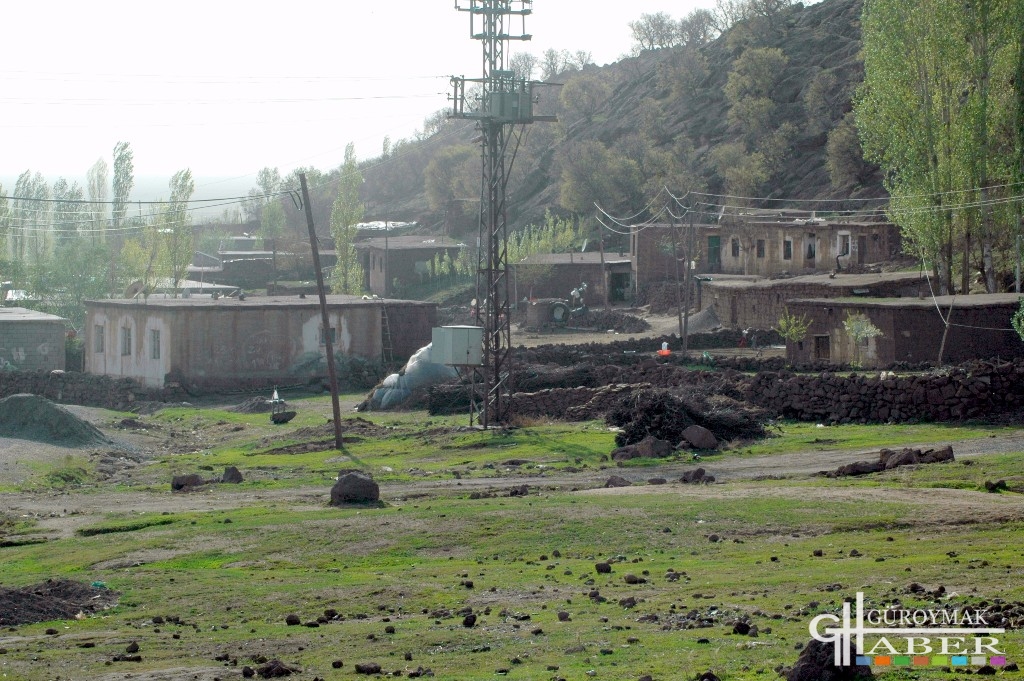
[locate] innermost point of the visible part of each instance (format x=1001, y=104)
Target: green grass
x=742, y=550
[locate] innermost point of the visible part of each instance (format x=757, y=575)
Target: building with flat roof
x=218, y=343
x=31, y=340
x=912, y=329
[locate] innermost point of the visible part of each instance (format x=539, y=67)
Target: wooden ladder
x=386, y=350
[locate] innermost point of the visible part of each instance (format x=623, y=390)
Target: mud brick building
x=761, y=245
x=31, y=340
x=741, y=302
x=912, y=329
x=227, y=343
x=555, y=275
x=402, y=259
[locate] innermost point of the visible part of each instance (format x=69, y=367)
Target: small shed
x=405, y=260
x=31, y=340
x=912, y=329
x=555, y=275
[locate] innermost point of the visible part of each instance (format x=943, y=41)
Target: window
x=126, y=341
x=333, y=336
x=735, y=247
x=97, y=337
x=760, y=248
x=843, y=244
x=154, y=343
x=787, y=249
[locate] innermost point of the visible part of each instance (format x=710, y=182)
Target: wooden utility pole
x=325, y=320
x=688, y=282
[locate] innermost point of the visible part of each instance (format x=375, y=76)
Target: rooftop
x=20, y=314
x=976, y=301
x=252, y=302
x=588, y=258
x=840, y=280
x=409, y=242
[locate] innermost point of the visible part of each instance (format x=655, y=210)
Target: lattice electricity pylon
x=499, y=101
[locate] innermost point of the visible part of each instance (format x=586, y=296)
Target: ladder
x=386, y=351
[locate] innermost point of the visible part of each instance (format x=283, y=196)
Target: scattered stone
x=292, y=620
x=354, y=487
x=617, y=481
x=740, y=627
x=133, y=647
x=563, y=616
x=469, y=621
x=697, y=476
x=630, y=578
x=657, y=481
x=708, y=676
x=231, y=475
x=603, y=568
x=520, y=491
x=995, y=487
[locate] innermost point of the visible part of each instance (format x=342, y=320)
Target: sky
x=226, y=88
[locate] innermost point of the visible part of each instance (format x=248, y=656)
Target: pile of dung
x=31, y=417
x=54, y=599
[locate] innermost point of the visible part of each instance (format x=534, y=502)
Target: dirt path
x=61, y=513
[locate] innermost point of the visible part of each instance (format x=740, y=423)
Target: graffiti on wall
x=16, y=357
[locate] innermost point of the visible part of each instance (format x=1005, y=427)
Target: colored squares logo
x=930, y=661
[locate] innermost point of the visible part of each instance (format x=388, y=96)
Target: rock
x=938, y=455
x=354, y=487
x=708, y=676
x=603, y=568
x=520, y=491
x=740, y=627
x=630, y=578
x=657, y=481
x=231, y=475
x=133, y=647
x=904, y=457
x=184, y=483
x=367, y=668
x=292, y=620
x=563, y=616
x=469, y=621
x=274, y=669
x=697, y=475
x=817, y=663
x=617, y=481
x=700, y=437
x=859, y=468
x=653, y=448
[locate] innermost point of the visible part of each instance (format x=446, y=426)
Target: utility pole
x=504, y=102
x=324, y=319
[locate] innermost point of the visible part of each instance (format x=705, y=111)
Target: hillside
x=659, y=119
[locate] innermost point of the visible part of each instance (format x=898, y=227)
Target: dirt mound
x=615, y=320
x=54, y=599
x=30, y=417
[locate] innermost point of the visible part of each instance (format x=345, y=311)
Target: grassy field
x=394, y=585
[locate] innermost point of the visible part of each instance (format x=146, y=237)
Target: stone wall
x=121, y=394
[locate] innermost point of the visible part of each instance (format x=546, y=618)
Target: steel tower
x=499, y=101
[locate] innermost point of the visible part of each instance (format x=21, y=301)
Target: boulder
x=354, y=487
x=938, y=455
x=653, y=448
x=696, y=476
x=231, y=475
x=904, y=457
x=183, y=483
x=617, y=481
x=700, y=437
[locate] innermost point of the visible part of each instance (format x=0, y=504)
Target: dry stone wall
x=86, y=389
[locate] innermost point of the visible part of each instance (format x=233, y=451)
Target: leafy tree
x=792, y=328
x=178, y=241
x=592, y=174
x=749, y=90
x=72, y=275
x=68, y=213
x=96, y=186
x=844, y=159
x=820, y=102
x=348, y=210
x=654, y=32
x=552, y=63
x=523, y=65
x=744, y=173
x=124, y=182
x=697, y=28
x=1018, y=320
x=861, y=330
x=452, y=176
x=582, y=96
x=683, y=71
x=728, y=13
x=31, y=217
x=933, y=113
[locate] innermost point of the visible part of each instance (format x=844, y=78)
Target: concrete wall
x=30, y=344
